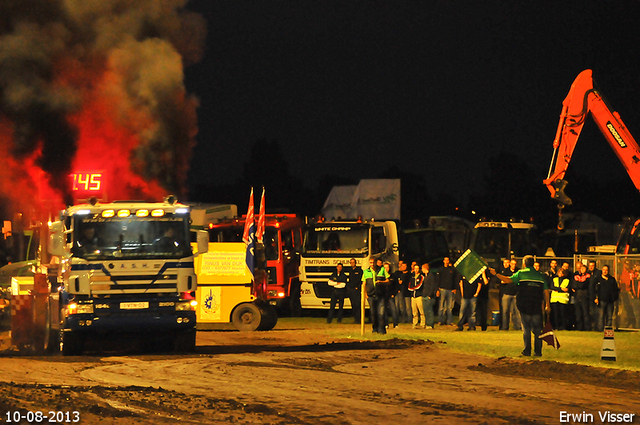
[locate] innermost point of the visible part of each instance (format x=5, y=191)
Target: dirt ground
x=300, y=376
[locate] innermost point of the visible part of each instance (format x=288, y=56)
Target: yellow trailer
x=227, y=292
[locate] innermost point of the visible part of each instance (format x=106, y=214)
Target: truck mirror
x=57, y=240
x=203, y=241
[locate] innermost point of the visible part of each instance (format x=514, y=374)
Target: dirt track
x=303, y=376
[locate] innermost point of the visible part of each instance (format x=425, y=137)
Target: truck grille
x=101, y=285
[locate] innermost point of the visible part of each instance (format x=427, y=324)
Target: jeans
x=482, y=305
x=407, y=306
x=354, y=297
x=401, y=307
x=376, y=306
x=607, y=314
x=392, y=310
x=446, y=306
x=559, y=315
x=418, y=311
x=468, y=313
x=509, y=309
x=531, y=323
x=337, y=296
x=583, y=319
x=427, y=305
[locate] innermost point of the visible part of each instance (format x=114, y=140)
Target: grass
x=576, y=347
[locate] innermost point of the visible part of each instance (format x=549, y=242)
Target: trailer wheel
x=246, y=317
x=185, y=342
x=269, y=317
x=71, y=344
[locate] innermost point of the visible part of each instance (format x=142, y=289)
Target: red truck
x=282, y=243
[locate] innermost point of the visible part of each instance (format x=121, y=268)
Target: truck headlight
x=75, y=308
x=186, y=305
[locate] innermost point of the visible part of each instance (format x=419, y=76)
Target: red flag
x=261, y=221
x=249, y=221
x=548, y=336
x=249, y=234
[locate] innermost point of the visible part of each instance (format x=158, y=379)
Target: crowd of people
x=572, y=300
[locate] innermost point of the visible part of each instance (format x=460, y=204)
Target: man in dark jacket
x=533, y=293
x=429, y=295
x=580, y=286
x=448, y=283
x=338, y=281
x=353, y=288
x=508, y=301
x=607, y=291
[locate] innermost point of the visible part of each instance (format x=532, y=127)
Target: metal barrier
x=626, y=270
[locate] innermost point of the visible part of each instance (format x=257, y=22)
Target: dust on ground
x=289, y=376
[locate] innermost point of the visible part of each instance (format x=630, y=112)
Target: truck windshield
x=96, y=237
x=346, y=239
x=425, y=245
x=492, y=242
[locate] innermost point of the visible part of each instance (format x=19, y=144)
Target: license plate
x=134, y=306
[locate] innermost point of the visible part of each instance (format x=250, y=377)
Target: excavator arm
x=583, y=98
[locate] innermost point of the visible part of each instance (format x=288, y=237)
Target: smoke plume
x=96, y=85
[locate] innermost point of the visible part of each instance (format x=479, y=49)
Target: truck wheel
x=246, y=317
x=185, y=342
x=269, y=318
x=71, y=344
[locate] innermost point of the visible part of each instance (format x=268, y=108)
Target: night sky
x=434, y=87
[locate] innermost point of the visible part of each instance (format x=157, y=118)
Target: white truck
x=329, y=243
x=123, y=268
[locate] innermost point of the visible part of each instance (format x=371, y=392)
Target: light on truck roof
x=142, y=213
x=182, y=210
x=83, y=212
x=108, y=213
x=124, y=213
x=157, y=213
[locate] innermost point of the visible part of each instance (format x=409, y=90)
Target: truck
x=585, y=99
x=282, y=245
x=327, y=243
x=497, y=240
x=121, y=268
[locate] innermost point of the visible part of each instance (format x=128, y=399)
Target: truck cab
x=495, y=240
x=326, y=244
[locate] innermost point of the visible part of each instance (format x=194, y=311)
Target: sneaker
x=428, y=327
x=537, y=355
x=458, y=329
x=524, y=353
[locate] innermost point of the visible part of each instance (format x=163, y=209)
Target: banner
x=371, y=198
x=338, y=203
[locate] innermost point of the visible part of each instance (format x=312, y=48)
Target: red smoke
x=95, y=87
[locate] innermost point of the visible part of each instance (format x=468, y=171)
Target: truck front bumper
x=132, y=322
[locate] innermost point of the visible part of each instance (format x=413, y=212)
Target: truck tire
x=185, y=342
x=246, y=317
x=71, y=344
x=269, y=317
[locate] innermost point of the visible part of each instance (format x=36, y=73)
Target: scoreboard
x=87, y=185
